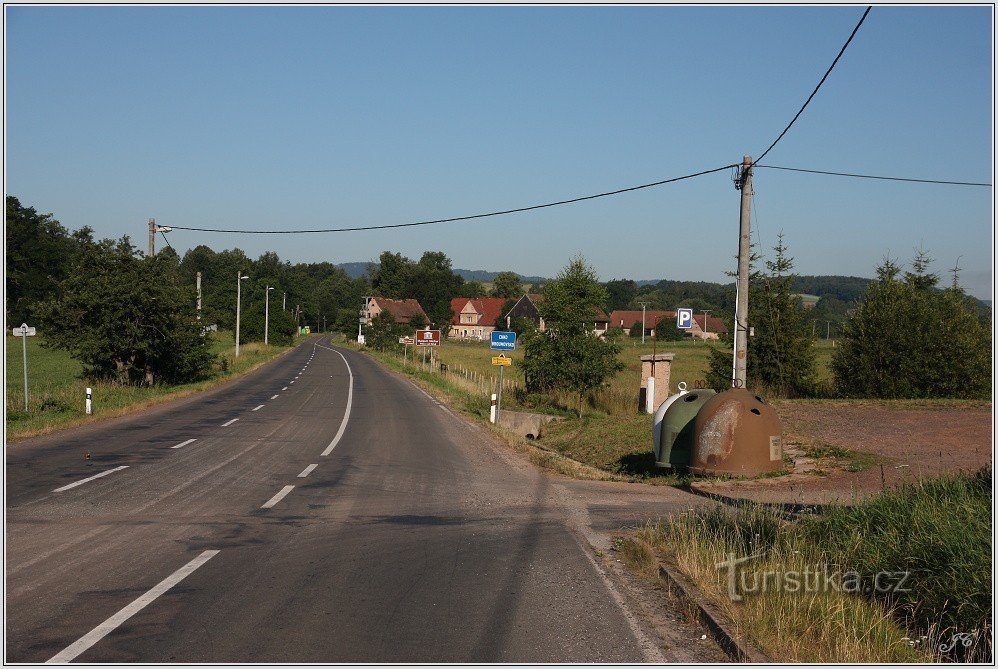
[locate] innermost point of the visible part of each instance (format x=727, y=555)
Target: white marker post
x=90, y=398
x=24, y=332
x=492, y=409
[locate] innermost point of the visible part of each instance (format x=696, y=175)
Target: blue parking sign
x=503, y=341
x=684, y=319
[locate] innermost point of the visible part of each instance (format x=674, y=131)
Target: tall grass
x=937, y=531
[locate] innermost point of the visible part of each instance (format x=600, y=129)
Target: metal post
x=239, y=295
x=152, y=237
x=499, y=399
x=266, y=315
x=742, y=286
x=199, y=295
x=24, y=349
x=705, y=312
x=643, y=305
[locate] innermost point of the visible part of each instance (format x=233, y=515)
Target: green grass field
x=57, y=394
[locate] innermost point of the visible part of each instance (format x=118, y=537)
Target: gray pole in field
x=744, y=184
x=643, y=305
x=24, y=350
x=239, y=295
x=266, y=315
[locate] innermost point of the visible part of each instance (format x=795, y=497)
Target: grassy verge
x=57, y=394
x=930, y=541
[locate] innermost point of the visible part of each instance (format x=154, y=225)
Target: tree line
x=132, y=318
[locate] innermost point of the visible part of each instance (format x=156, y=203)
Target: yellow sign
x=502, y=360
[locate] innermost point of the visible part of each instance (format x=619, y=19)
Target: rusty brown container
x=738, y=433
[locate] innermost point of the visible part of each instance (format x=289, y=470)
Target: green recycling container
x=677, y=429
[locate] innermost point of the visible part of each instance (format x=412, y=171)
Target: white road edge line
x=96, y=634
x=184, y=443
x=258, y=408
x=270, y=503
x=308, y=470
x=274, y=397
x=90, y=478
x=228, y=423
x=346, y=414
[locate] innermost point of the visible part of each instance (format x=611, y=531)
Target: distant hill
x=358, y=269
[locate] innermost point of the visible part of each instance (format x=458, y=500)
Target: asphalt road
x=325, y=511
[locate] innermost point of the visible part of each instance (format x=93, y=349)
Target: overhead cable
x=873, y=176
x=460, y=218
x=814, y=92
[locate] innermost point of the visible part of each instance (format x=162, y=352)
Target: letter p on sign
x=684, y=319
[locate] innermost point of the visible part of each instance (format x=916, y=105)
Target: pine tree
x=781, y=358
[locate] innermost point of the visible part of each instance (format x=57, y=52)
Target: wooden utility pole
x=744, y=183
x=152, y=237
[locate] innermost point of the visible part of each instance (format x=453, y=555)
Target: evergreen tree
x=781, y=358
x=908, y=339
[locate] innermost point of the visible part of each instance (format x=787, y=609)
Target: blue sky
x=306, y=117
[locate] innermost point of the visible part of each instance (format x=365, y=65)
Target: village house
x=404, y=311
x=474, y=317
x=707, y=327
x=526, y=307
x=628, y=319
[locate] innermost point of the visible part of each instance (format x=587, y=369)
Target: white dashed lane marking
x=269, y=504
x=184, y=443
x=90, y=478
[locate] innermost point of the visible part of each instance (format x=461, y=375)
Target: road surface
x=321, y=509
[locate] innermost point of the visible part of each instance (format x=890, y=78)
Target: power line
x=815, y=91
x=462, y=218
x=873, y=176
x=166, y=240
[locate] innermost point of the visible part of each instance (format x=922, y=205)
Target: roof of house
x=632, y=318
x=402, y=310
x=714, y=324
x=488, y=307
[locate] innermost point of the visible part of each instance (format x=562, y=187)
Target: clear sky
x=316, y=117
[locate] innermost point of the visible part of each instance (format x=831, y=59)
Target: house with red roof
x=629, y=319
x=474, y=317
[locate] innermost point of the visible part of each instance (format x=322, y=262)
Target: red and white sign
x=427, y=337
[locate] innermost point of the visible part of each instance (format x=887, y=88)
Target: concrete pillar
x=660, y=387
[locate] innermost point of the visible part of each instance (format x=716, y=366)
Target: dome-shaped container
x=656, y=426
x=676, y=432
x=737, y=432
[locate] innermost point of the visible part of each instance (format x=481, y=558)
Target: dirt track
x=909, y=444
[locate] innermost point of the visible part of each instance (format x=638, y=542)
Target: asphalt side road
x=321, y=509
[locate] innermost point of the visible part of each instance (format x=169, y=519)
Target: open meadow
x=57, y=394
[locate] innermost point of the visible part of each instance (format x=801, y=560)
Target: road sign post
x=24, y=332
x=502, y=362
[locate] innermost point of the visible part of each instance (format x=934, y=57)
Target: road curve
x=216, y=530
